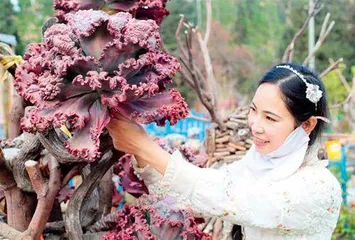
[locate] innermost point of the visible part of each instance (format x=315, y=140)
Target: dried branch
x=37, y=179
x=205, y=87
x=46, y=194
x=331, y=67
x=14, y=198
x=288, y=54
x=105, y=194
x=351, y=95
x=57, y=226
x=17, y=112
x=191, y=116
x=55, y=146
x=323, y=34
x=341, y=77
x=45, y=201
x=208, y=21
x=343, y=103
x=8, y=232
x=7, y=180
x=177, y=36
x=72, y=220
x=30, y=150
x=106, y=223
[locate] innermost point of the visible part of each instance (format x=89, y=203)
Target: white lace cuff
x=148, y=174
x=180, y=176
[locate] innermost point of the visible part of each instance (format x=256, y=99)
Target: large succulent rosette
x=91, y=66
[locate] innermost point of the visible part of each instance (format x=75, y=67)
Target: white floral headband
x=313, y=93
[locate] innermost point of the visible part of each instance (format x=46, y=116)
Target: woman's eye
x=270, y=119
x=252, y=109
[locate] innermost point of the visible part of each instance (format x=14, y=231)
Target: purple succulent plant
x=92, y=66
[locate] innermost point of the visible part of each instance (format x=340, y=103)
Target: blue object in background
x=181, y=127
x=342, y=164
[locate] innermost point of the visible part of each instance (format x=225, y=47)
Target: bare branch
x=7, y=180
x=45, y=202
x=177, y=36
x=30, y=150
x=17, y=111
x=8, y=232
x=205, y=87
x=341, y=77
x=72, y=220
x=343, y=103
x=288, y=54
x=36, y=177
x=191, y=116
x=323, y=34
x=331, y=67
x=55, y=146
x=208, y=21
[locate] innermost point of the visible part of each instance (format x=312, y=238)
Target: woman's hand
x=130, y=137
x=127, y=136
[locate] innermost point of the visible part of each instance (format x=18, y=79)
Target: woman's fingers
x=118, y=115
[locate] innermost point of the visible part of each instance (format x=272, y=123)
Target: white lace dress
x=303, y=206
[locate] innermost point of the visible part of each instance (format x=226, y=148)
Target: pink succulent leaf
x=71, y=112
x=129, y=181
x=91, y=28
x=86, y=141
x=144, y=33
x=158, y=108
x=155, y=11
x=71, y=91
x=142, y=9
x=152, y=67
x=117, y=23
x=81, y=65
x=75, y=5
x=62, y=40
x=117, y=53
x=65, y=194
x=26, y=84
x=156, y=221
x=131, y=225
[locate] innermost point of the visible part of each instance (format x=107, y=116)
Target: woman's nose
x=257, y=127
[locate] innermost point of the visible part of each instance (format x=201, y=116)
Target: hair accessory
x=313, y=93
x=324, y=119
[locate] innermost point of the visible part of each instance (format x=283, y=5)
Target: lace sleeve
x=304, y=203
x=148, y=174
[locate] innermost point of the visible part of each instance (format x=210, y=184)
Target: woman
x=279, y=190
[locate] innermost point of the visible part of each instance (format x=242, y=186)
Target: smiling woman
x=280, y=189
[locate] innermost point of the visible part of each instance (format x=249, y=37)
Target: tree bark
x=17, y=112
x=30, y=150
x=15, y=199
x=72, y=220
x=105, y=194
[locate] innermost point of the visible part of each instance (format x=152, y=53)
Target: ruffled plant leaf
x=141, y=9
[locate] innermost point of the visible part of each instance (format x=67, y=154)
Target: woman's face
x=269, y=119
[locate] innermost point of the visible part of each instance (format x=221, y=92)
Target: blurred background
x=246, y=38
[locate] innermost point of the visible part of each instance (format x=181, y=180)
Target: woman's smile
x=259, y=142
